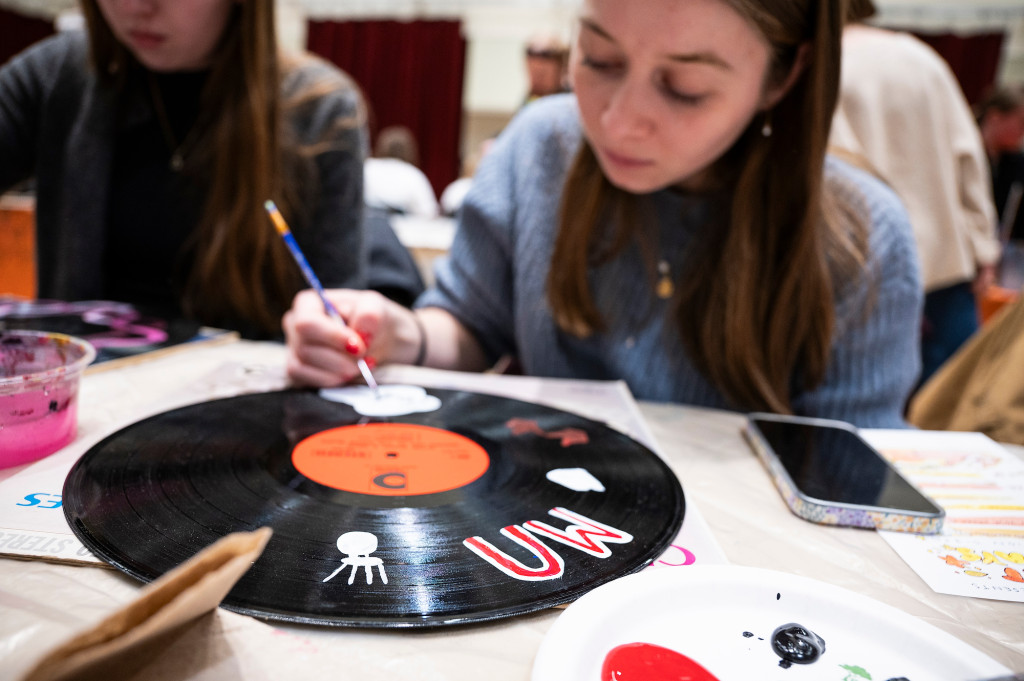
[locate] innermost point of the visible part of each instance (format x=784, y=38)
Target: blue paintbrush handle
x=310, y=275
x=314, y=281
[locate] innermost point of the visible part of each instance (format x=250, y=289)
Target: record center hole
x=392, y=455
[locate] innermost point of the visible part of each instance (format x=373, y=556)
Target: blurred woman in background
x=155, y=140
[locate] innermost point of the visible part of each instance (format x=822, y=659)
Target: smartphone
x=828, y=473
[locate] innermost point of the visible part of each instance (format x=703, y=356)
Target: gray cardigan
x=57, y=124
x=495, y=283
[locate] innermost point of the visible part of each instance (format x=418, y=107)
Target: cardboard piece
x=156, y=617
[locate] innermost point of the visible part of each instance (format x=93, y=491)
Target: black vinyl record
x=484, y=508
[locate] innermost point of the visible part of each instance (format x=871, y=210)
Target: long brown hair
x=756, y=309
x=241, y=269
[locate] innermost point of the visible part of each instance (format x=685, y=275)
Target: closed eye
x=599, y=66
x=683, y=97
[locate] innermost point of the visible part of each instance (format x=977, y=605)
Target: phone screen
x=834, y=464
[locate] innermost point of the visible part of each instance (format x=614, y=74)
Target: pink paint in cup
x=39, y=376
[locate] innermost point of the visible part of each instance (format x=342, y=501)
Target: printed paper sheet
x=980, y=551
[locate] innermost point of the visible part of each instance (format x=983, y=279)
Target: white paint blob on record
x=390, y=400
x=576, y=479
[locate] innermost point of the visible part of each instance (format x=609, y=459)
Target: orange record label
x=390, y=459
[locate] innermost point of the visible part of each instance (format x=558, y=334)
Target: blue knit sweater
x=494, y=282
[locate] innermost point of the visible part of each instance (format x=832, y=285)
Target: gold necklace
x=178, y=151
x=665, y=287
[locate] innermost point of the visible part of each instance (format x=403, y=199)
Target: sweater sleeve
x=495, y=278
x=875, y=358
x=24, y=87
x=475, y=282
x=975, y=181
x=332, y=124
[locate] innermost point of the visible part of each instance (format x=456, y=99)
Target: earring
x=766, y=129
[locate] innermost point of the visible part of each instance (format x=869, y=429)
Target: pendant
x=665, y=287
x=177, y=162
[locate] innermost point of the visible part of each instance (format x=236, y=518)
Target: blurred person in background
x=547, y=67
x=156, y=136
x=1001, y=121
x=902, y=114
x=393, y=181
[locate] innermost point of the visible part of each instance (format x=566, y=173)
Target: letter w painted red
x=586, y=535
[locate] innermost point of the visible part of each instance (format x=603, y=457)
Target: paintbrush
x=314, y=282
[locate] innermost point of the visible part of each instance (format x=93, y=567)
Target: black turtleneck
x=153, y=209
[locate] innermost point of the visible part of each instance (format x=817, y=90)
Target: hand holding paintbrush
x=314, y=282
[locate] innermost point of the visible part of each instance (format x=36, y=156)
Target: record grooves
x=483, y=509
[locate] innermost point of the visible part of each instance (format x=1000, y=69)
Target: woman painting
x=673, y=223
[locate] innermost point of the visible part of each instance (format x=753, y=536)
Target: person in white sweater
x=392, y=180
x=902, y=113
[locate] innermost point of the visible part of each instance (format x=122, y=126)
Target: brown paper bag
x=981, y=388
x=121, y=643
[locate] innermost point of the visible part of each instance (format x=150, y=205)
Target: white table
x=719, y=474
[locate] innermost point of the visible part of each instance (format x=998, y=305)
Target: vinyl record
x=484, y=508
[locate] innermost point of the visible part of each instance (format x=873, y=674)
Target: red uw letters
x=586, y=535
x=578, y=537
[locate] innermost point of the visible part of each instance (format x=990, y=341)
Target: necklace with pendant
x=178, y=151
x=665, y=287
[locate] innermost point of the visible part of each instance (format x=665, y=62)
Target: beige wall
x=1012, y=68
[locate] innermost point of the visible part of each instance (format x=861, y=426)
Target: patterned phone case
x=832, y=512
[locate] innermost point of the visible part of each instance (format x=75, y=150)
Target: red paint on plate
x=648, y=662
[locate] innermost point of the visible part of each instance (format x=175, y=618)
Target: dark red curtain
x=18, y=31
x=974, y=59
x=411, y=73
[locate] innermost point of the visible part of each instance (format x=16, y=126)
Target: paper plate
x=722, y=618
